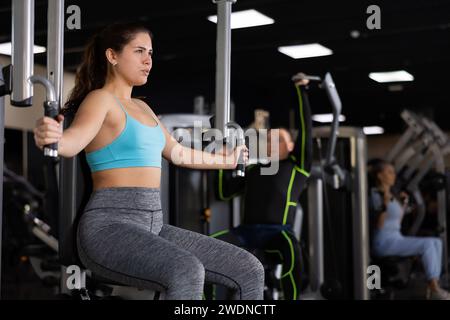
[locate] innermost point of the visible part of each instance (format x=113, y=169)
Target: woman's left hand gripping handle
x=49, y=129
x=51, y=111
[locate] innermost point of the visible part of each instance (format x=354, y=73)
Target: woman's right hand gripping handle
x=48, y=131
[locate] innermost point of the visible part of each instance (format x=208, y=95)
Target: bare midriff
x=145, y=177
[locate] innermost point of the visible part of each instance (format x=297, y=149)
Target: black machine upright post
x=2, y=141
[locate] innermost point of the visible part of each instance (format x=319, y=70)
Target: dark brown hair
x=374, y=167
x=92, y=72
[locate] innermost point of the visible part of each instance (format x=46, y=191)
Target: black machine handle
x=6, y=78
x=51, y=110
x=240, y=169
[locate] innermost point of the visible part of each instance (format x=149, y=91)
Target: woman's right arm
x=386, y=198
x=377, y=208
x=381, y=218
x=85, y=126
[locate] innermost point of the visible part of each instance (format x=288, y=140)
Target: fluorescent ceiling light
x=305, y=51
x=5, y=48
x=246, y=19
x=373, y=130
x=326, y=117
x=392, y=76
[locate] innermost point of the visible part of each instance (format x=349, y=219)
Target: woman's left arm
x=186, y=157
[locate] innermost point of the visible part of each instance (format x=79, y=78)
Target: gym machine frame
x=422, y=147
x=336, y=177
x=19, y=78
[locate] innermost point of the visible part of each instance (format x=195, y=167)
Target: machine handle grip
x=51, y=110
x=240, y=169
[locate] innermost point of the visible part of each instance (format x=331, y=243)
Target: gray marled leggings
x=121, y=237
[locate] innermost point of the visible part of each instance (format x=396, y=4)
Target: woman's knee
x=438, y=244
x=430, y=244
x=189, y=270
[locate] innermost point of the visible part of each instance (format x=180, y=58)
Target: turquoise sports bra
x=138, y=145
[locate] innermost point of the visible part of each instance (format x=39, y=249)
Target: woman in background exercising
x=387, y=238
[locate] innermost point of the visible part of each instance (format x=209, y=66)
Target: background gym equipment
x=338, y=176
x=22, y=65
x=186, y=194
x=421, y=151
x=29, y=248
x=223, y=72
x=338, y=218
x=418, y=157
